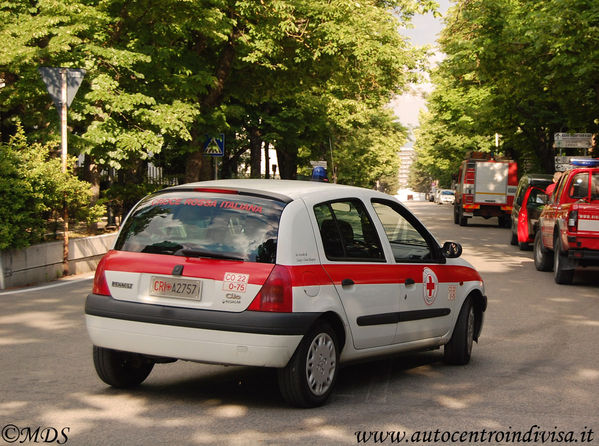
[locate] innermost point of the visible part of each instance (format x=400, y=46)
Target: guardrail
x=43, y=262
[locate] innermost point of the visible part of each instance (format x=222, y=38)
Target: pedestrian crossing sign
x=215, y=146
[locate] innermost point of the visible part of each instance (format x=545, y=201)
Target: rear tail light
x=276, y=293
x=100, y=283
x=573, y=221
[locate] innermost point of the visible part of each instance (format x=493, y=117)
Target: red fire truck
x=485, y=188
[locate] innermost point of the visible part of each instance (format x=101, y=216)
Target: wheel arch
x=336, y=323
x=479, y=302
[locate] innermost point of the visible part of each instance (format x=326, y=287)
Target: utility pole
x=63, y=146
x=62, y=84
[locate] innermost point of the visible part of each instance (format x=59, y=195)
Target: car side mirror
x=451, y=250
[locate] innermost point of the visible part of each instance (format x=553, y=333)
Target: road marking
x=44, y=287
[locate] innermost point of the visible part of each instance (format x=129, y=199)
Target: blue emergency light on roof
x=585, y=162
x=319, y=173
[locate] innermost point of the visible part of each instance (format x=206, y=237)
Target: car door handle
x=347, y=282
x=410, y=281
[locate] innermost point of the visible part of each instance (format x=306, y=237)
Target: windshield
x=212, y=225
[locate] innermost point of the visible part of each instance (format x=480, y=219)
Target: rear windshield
x=198, y=224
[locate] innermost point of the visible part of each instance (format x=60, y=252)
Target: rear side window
x=595, y=186
x=199, y=224
x=579, y=188
x=347, y=232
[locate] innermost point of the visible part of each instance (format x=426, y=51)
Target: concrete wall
x=43, y=262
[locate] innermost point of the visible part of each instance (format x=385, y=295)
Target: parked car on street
x=568, y=234
x=528, y=204
x=445, y=196
x=299, y=276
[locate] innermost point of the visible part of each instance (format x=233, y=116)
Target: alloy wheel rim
x=321, y=363
x=470, y=338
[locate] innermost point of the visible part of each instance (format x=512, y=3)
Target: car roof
x=285, y=190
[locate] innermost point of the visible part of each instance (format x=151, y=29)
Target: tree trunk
x=91, y=174
x=287, y=158
x=198, y=167
x=255, y=152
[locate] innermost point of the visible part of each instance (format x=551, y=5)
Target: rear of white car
x=247, y=273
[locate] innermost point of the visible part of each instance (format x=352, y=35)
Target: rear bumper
x=246, y=338
x=585, y=255
x=192, y=344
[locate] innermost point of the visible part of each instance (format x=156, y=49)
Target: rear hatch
x=490, y=184
x=197, y=249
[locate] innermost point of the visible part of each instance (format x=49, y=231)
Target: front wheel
x=543, y=257
x=308, y=379
x=459, y=349
x=121, y=369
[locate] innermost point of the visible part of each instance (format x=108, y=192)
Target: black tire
x=560, y=274
x=524, y=246
x=305, y=383
x=459, y=349
x=463, y=221
x=503, y=221
x=121, y=369
x=543, y=257
x=514, y=236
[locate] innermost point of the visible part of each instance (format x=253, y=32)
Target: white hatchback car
x=300, y=276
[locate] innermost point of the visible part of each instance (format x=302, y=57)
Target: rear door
x=490, y=185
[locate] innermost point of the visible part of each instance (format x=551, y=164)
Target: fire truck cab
x=485, y=188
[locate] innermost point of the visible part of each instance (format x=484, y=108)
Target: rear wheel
x=459, y=349
x=560, y=274
x=308, y=379
x=514, y=236
x=524, y=246
x=463, y=221
x=542, y=256
x=121, y=369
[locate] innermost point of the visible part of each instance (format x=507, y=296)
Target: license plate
x=179, y=288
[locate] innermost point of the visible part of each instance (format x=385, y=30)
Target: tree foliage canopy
x=33, y=191
x=295, y=74
x=521, y=69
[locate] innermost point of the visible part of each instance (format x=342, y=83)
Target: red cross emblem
x=430, y=286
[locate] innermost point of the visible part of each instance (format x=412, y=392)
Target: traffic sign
x=215, y=146
x=573, y=140
x=52, y=77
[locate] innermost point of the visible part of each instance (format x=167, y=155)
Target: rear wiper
x=164, y=247
x=190, y=252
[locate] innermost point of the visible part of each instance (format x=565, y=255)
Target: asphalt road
x=534, y=375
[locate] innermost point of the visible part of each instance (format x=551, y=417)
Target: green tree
x=33, y=191
x=524, y=70
x=162, y=78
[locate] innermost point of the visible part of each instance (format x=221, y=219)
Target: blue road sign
x=215, y=146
